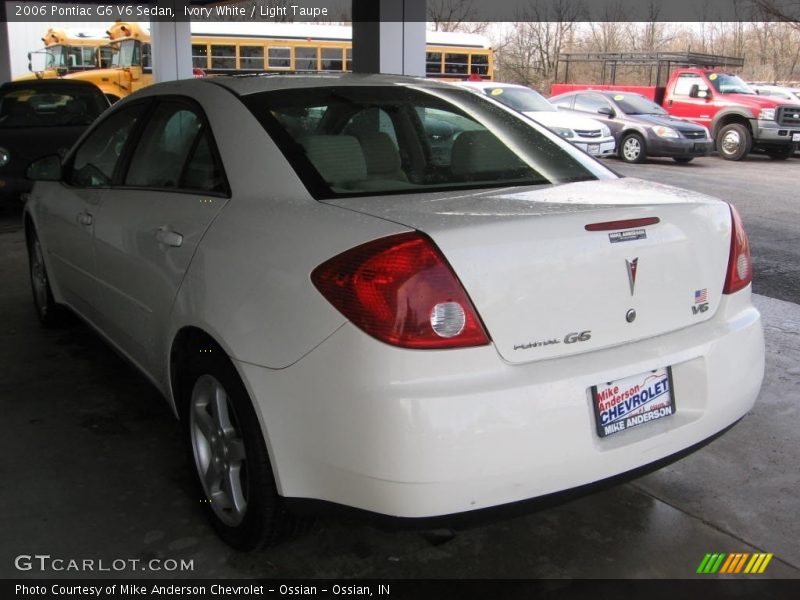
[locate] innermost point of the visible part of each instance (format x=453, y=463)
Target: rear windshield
x=369, y=140
x=36, y=107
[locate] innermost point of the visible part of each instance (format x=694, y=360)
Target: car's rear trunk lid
x=546, y=287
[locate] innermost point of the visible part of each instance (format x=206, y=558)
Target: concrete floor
x=93, y=467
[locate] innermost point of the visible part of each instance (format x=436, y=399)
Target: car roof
x=492, y=84
x=243, y=85
x=606, y=93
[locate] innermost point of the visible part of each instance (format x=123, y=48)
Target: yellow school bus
x=129, y=66
x=68, y=51
x=227, y=47
x=230, y=48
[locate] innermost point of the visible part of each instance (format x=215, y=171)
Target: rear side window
x=223, y=56
x=305, y=59
x=279, y=58
x=175, y=151
x=96, y=159
x=372, y=140
x=164, y=147
x=199, y=56
x=685, y=82
x=433, y=62
x=203, y=172
x=251, y=57
x=590, y=103
x=562, y=101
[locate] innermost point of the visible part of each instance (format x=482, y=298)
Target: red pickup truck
x=739, y=119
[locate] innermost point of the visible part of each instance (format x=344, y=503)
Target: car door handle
x=84, y=218
x=168, y=237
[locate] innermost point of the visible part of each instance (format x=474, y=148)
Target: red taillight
x=401, y=290
x=740, y=264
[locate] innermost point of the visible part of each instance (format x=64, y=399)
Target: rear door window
x=590, y=103
x=95, y=161
x=176, y=151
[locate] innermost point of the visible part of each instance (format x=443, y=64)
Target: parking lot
x=94, y=466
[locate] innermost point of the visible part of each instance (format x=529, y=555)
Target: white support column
x=389, y=36
x=172, y=47
x=5, y=46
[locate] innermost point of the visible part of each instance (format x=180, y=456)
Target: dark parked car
x=38, y=118
x=640, y=126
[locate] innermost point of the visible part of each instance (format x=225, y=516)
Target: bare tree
x=651, y=35
x=529, y=52
x=608, y=34
x=785, y=11
x=455, y=15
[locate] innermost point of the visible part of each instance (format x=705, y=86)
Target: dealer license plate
x=594, y=148
x=633, y=401
x=796, y=137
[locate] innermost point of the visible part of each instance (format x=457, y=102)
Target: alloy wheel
x=219, y=450
x=632, y=149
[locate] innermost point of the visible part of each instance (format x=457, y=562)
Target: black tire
x=683, y=160
x=632, y=148
x=781, y=153
x=264, y=520
x=734, y=141
x=50, y=313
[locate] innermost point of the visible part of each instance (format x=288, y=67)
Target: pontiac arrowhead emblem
x=632, y=265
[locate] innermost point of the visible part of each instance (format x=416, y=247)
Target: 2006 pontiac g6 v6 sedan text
x=392, y=294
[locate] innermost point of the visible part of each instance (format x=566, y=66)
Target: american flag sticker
x=701, y=296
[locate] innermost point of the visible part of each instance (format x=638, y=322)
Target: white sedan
x=587, y=134
x=392, y=294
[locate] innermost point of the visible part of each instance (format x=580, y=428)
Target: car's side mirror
x=47, y=168
x=698, y=92
x=606, y=110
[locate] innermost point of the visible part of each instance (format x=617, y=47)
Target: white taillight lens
x=448, y=319
x=743, y=266
x=740, y=263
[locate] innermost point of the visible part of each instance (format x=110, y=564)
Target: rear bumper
x=420, y=434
